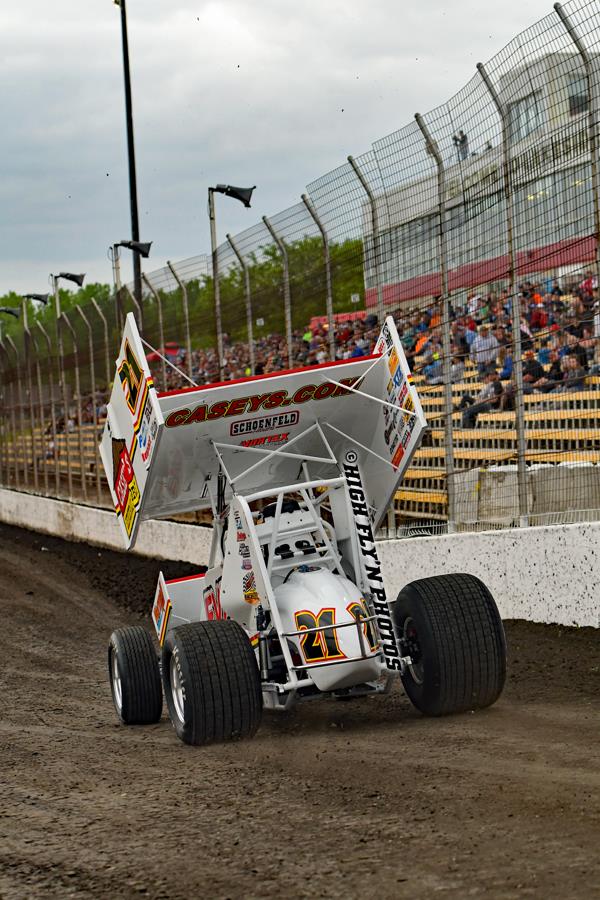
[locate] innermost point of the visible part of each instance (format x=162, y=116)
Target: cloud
x=272, y=93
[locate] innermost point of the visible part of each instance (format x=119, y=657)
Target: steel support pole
x=139, y=308
x=216, y=286
x=115, y=258
x=434, y=150
x=27, y=350
x=4, y=478
x=4, y=460
x=39, y=383
x=376, y=238
x=516, y=306
x=13, y=421
x=287, y=299
x=63, y=383
x=161, y=330
x=247, y=297
x=52, y=406
x=10, y=341
x=106, y=349
x=186, y=317
x=67, y=322
x=593, y=99
x=133, y=201
x=94, y=407
x=328, y=287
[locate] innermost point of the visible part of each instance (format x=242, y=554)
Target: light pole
x=133, y=203
x=139, y=249
x=243, y=195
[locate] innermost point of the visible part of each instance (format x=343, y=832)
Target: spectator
x=533, y=372
x=487, y=398
x=506, y=361
x=484, y=350
x=573, y=375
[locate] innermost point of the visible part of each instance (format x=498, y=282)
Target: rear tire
x=451, y=627
x=211, y=682
x=134, y=676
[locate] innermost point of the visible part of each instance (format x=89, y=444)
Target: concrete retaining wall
x=158, y=539
x=548, y=574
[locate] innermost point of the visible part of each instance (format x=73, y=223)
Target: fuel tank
x=313, y=597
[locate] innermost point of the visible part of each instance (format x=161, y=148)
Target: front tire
x=134, y=676
x=211, y=682
x=451, y=628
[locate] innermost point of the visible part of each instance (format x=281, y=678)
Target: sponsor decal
x=147, y=434
x=212, y=602
x=161, y=612
x=221, y=409
x=393, y=362
x=265, y=423
x=127, y=491
x=266, y=439
x=249, y=588
x=372, y=568
x=397, y=457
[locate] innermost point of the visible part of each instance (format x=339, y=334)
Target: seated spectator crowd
x=558, y=330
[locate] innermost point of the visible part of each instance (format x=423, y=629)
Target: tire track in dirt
x=332, y=800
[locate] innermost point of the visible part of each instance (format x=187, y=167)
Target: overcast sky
x=270, y=92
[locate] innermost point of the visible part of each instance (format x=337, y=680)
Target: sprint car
x=299, y=469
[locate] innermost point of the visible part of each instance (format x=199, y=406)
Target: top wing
x=260, y=431
x=132, y=433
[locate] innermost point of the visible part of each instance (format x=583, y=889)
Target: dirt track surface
x=333, y=800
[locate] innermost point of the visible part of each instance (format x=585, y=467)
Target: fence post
x=10, y=341
x=27, y=349
x=13, y=422
x=376, y=238
x=94, y=410
x=434, y=151
x=63, y=383
x=38, y=378
x=52, y=406
x=4, y=424
x=67, y=322
x=287, y=302
x=186, y=317
x=248, y=298
x=4, y=471
x=114, y=253
x=593, y=102
x=140, y=314
x=161, y=332
x=516, y=306
x=329, y=291
x=106, y=350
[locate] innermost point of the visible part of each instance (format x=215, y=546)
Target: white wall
x=158, y=539
x=547, y=574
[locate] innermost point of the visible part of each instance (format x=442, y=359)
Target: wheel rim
x=116, y=681
x=176, y=689
x=413, y=648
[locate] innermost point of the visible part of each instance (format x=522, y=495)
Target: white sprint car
x=299, y=469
